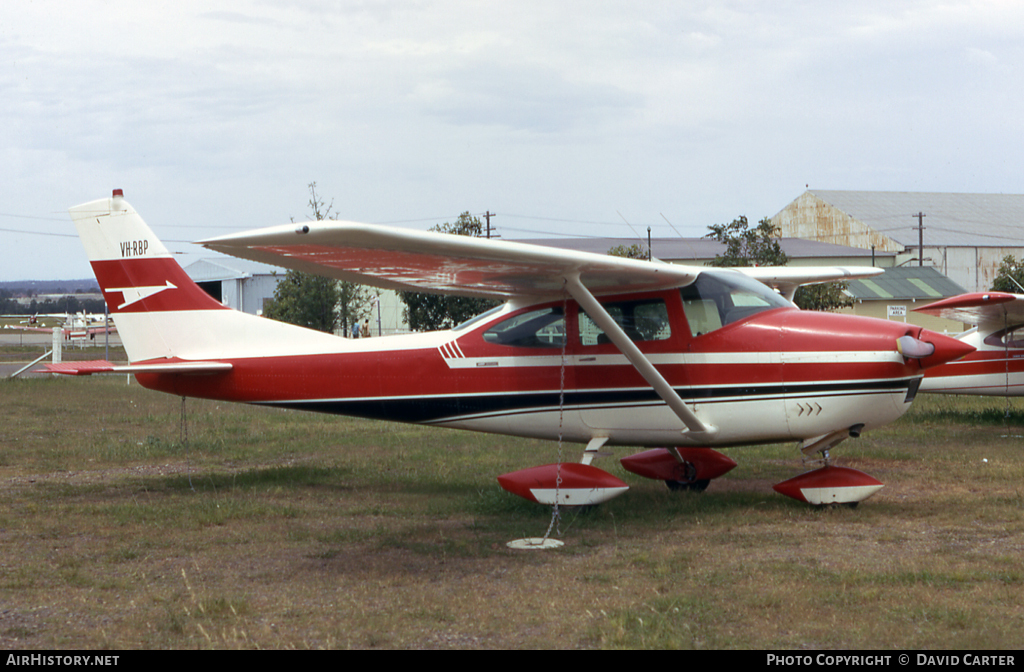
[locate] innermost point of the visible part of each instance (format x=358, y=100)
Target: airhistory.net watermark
x=52, y=660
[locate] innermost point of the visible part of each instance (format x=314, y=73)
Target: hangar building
x=964, y=236
x=237, y=283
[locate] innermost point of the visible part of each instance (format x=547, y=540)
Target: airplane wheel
x=692, y=486
x=685, y=480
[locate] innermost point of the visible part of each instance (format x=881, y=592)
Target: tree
x=760, y=247
x=634, y=251
x=306, y=300
x=315, y=301
x=827, y=296
x=1010, y=277
x=748, y=247
x=429, y=312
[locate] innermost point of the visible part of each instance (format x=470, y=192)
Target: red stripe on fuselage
x=981, y=362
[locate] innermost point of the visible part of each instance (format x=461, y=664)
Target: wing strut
x=694, y=427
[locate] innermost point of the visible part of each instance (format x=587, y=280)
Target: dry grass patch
x=273, y=529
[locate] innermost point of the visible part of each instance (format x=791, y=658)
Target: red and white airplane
x=996, y=367
x=588, y=348
x=76, y=327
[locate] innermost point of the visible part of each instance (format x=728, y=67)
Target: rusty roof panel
x=958, y=220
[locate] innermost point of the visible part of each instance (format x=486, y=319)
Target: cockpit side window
x=543, y=328
x=476, y=319
x=714, y=300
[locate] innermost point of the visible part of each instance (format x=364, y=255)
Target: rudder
x=161, y=314
x=136, y=273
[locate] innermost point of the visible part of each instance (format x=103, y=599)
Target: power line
x=49, y=219
x=557, y=234
x=40, y=233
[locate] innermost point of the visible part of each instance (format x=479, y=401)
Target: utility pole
x=920, y=238
x=487, y=216
x=650, y=252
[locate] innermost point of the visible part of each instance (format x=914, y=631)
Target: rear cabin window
x=714, y=300
x=642, y=320
x=544, y=328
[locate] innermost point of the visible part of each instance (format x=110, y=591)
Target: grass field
x=276, y=529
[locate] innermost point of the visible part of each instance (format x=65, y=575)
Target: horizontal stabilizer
x=102, y=366
x=78, y=368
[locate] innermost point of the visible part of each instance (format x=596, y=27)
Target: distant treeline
x=65, y=304
x=33, y=287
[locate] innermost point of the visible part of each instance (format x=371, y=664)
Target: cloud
x=218, y=113
x=526, y=98
x=981, y=57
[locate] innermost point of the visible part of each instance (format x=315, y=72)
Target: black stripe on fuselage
x=448, y=408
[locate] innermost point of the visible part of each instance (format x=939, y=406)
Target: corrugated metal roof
x=905, y=283
x=957, y=220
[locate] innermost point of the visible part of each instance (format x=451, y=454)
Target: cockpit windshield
x=714, y=300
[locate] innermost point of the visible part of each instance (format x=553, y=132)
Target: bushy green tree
x=634, y=251
x=745, y=246
x=306, y=300
x=1010, y=277
x=314, y=301
x=759, y=246
x=428, y=312
x=827, y=296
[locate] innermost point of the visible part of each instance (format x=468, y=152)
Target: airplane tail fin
x=159, y=311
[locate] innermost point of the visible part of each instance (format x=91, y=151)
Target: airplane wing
x=786, y=279
x=993, y=310
x=427, y=261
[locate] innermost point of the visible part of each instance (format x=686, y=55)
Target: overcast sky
x=562, y=117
